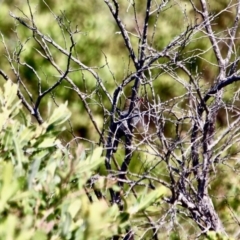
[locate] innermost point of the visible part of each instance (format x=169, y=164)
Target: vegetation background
x=99, y=46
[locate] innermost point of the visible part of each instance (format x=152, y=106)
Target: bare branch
x=211, y=36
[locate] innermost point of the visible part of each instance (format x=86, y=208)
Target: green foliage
x=211, y=235
x=42, y=186
x=42, y=194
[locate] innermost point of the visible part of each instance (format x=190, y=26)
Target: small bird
x=126, y=118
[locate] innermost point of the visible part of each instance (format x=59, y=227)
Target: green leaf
x=59, y=116
x=7, y=140
x=34, y=169
x=10, y=226
x=47, y=142
x=67, y=223
x=10, y=93
x=39, y=235
x=124, y=216
x=89, y=164
x=74, y=207
x=19, y=153
x=146, y=200
x=96, y=154
x=26, y=135
x=14, y=110
x=10, y=186
x=212, y=235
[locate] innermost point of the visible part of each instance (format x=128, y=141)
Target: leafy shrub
x=41, y=187
x=43, y=193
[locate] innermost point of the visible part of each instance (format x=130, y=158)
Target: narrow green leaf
x=146, y=201
x=47, y=143
x=92, y=161
x=89, y=165
x=9, y=187
x=10, y=93
x=67, y=223
x=26, y=135
x=19, y=153
x=35, y=167
x=60, y=115
x=74, y=207
x=96, y=154
x=10, y=225
x=39, y=235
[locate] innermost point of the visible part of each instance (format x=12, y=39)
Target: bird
x=127, y=119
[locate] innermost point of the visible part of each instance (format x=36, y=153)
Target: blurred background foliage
x=99, y=45
x=98, y=39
